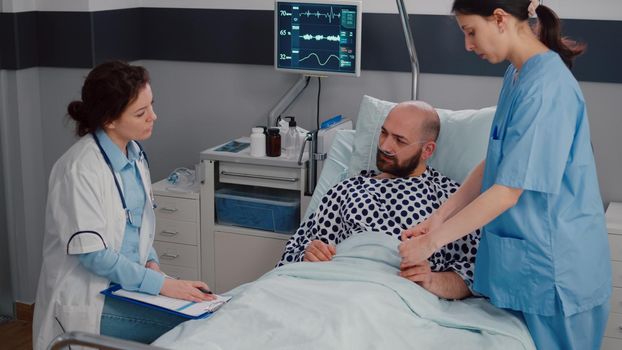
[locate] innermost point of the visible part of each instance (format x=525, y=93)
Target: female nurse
x=100, y=218
x=544, y=250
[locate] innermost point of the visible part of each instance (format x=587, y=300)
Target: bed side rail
x=97, y=341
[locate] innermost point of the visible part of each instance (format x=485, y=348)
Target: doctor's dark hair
x=548, y=28
x=108, y=89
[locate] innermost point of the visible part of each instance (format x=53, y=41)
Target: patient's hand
x=420, y=273
x=186, y=290
x=319, y=251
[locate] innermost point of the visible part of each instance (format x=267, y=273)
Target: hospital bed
x=357, y=300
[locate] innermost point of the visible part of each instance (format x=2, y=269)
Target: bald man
x=403, y=194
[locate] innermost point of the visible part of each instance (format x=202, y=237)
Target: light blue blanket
x=356, y=301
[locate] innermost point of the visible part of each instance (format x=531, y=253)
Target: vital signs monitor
x=318, y=37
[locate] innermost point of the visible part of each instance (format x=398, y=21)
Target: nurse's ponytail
x=108, y=89
x=548, y=28
x=549, y=31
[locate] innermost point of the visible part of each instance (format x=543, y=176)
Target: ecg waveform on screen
x=329, y=15
x=319, y=61
x=319, y=37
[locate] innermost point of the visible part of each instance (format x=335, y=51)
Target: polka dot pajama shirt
x=364, y=203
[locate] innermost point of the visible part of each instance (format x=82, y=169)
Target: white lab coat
x=84, y=214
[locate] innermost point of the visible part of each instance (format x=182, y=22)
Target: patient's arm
x=448, y=285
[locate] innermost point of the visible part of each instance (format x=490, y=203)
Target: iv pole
x=410, y=43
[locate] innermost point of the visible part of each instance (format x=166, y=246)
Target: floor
x=16, y=335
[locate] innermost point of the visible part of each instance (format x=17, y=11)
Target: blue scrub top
x=553, y=243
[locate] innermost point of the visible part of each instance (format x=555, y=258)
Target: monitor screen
x=318, y=37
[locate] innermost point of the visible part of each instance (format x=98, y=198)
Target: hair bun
x=75, y=109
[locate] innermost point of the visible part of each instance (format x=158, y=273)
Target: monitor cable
x=319, y=91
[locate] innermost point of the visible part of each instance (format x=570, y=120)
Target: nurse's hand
x=319, y=251
x=416, y=250
x=186, y=290
x=429, y=224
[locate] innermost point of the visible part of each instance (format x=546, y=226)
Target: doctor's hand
x=319, y=251
x=186, y=290
x=151, y=264
x=416, y=249
x=420, y=273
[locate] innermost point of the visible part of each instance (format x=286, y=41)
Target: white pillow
x=462, y=142
x=460, y=147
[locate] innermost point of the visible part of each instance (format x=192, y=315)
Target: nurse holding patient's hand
x=100, y=219
x=544, y=250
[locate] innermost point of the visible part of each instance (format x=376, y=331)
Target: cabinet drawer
x=614, y=326
x=177, y=208
x=175, y=231
x=184, y=273
x=260, y=175
x=616, y=273
x=177, y=254
x=615, y=244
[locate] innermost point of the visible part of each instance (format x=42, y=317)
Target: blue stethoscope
x=128, y=214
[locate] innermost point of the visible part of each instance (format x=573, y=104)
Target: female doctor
x=544, y=250
x=100, y=218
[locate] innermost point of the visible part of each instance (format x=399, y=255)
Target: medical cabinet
x=177, y=231
x=250, y=206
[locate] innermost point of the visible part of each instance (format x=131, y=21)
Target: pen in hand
x=206, y=291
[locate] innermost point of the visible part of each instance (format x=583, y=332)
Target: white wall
x=200, y=105
x=24, y=179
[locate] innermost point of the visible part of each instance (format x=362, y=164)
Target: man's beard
x=390, y=165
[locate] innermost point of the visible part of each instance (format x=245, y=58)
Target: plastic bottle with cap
x=258, y=142
x=292, y=139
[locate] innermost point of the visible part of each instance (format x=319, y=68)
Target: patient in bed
x=403, y=194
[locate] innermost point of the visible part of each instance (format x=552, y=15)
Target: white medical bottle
x=292, y=140
x=258, y=143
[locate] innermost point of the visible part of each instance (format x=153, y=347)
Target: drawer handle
x=262, y=177
x=168, y=256
x=169, y=210
x=169, y=233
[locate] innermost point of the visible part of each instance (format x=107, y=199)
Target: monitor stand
x=290, y=96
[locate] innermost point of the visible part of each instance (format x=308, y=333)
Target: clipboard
x=182, y=308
